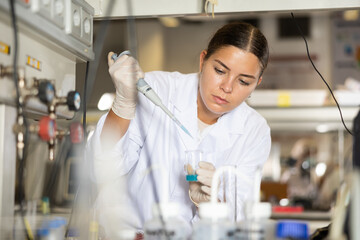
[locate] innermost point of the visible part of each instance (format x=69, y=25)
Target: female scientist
x=210, y=104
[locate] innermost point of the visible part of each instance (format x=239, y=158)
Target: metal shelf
x=307, y=118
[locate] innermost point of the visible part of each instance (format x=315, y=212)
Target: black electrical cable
x=327, y=85
x=15, y=77
x=85, y=97
x=20, y=113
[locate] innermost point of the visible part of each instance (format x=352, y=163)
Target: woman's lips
x=219, y=100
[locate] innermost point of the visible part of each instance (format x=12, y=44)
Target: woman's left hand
x=200, y=191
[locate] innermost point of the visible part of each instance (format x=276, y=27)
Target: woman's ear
x=259, y=81
x=202, y=58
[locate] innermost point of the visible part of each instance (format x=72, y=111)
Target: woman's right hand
x=124, y=73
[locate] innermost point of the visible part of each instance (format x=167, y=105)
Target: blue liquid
x=191, y=178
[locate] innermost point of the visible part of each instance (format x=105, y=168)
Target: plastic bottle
x=57, y=228
x=53, y=229
x=43, y=233
x=292, y=230
x=45, y=205
x=257, y=225
x=214, y=222
x=176, y=228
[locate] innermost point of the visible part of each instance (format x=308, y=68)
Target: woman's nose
x=227, y=85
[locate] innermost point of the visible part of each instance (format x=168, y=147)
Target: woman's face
x=227, y=78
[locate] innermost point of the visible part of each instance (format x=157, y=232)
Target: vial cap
x=213, y=210
x=292, y=229
x=169, y=209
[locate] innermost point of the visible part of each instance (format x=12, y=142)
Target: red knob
x=76, y=132
x=47, y=128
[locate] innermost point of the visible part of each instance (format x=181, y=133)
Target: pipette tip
x=186, y=131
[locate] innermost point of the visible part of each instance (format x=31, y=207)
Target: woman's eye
x=219, y=71
x=242, y=82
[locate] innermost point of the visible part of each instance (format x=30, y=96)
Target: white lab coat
x=240, y=137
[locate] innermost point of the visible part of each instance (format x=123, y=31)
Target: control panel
x=67, y=23
x=53, y=36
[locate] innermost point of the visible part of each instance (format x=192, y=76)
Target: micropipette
x=143, y=87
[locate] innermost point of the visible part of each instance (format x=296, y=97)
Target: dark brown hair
x=243, y=36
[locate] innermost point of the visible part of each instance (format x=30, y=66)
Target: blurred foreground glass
x=192, y=159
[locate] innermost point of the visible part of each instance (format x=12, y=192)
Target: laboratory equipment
x=175, y=227
x=165, y=223
x=47, y=58
x=192, y=159
x=144, y=88
x=257, y=224
x=215, y=217
x=214, y=223
x=46, y=92
x=52, y=229
x=46, y=128
x=292, y=230
x=215, y=183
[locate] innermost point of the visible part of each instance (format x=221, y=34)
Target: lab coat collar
x=225, y=131
x=233, y=121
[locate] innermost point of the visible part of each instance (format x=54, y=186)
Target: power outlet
x=42, y=7
x=58, y=13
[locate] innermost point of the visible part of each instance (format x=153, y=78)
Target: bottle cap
x=292, y=229
x=168, y=209
x=213, y=210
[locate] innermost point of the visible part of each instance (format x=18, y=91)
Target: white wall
x=178, y=49
x=150, y=36
x=297, y=74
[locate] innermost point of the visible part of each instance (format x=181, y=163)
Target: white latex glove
x=125, y=73
x=200, y=191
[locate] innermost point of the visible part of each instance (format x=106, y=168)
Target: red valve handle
x=47, y=128
x=76, y=132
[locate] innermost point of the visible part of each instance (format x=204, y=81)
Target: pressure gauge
x=47, y=128
x=87, y=26
x=46, y=92
x=59, y=7
x=76, y=18
x=73, y=101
